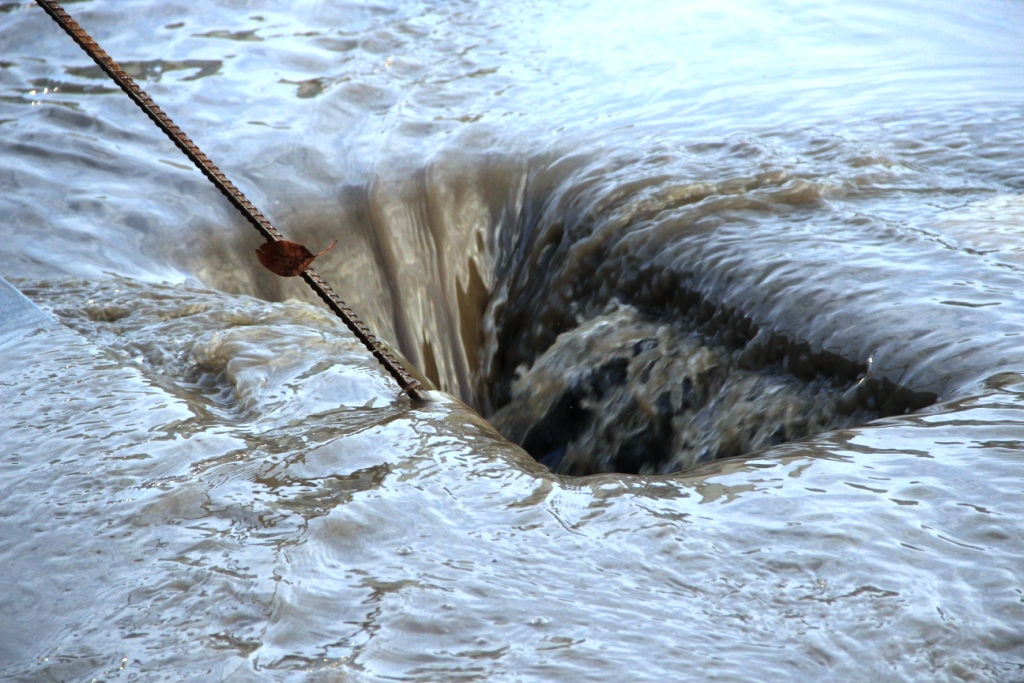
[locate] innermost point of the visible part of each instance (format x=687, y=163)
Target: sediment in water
x=602, y=355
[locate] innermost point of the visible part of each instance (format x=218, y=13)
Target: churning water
x=754, y=268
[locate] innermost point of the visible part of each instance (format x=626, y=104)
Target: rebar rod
x=408, y=383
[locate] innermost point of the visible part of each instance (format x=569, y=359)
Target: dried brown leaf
x=287, y=258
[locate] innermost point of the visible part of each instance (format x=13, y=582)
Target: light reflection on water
x=202, y=485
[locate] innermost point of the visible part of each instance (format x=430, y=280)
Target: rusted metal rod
x=408, y=383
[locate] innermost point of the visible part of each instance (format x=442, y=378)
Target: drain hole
x=621, y=393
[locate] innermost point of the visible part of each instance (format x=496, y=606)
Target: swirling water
x=205, y=477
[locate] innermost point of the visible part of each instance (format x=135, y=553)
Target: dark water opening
x=630, y=393
x=669, y=381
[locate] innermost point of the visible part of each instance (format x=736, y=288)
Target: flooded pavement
x=766, y=255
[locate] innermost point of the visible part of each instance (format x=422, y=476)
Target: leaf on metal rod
x=287, y=258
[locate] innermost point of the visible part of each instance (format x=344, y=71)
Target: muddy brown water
x=753, y=268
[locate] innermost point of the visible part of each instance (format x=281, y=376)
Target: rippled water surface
x=753, y=267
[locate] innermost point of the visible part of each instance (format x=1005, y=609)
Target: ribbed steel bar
x=408, y=383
